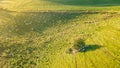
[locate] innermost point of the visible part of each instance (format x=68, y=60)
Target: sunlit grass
x=41, y=39
x=33, y=34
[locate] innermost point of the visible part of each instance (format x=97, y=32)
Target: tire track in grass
x=86, y=66
x=105, y=50
x=98, y=59
x=75, y=61
x=109, y=54
x=110, y=63
x=91, y=61
x=96, y=55
x=103, y=58
x=80, y=60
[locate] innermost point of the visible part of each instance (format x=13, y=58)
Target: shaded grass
x=92, y=48
x=38, y=21
x=38, y=5
x=88, y=2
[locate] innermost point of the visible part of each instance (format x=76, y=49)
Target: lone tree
x=79, y=46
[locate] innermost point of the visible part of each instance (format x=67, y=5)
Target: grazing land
x=48, y=33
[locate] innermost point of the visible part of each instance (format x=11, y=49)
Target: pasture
x=40, y=33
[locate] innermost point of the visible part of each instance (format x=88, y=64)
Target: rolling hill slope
x=36, y=5
x=32, y=36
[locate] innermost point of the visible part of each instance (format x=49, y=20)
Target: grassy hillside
x=41, y=39
x=38, y=38
x=36, y=5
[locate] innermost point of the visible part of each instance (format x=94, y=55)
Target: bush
x=79, y=45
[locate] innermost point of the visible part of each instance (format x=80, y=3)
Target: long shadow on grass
x=40, y=21
x=80, y=46
x=91, y=48
x=85, y=48
x=87, y=2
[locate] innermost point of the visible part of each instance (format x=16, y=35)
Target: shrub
x=79, y=45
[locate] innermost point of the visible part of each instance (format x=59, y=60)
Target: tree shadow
x=88, y=48
x=80, y=46
x=88, y=2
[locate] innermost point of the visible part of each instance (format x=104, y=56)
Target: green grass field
x=37, y=5
x=39, y=33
